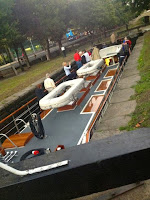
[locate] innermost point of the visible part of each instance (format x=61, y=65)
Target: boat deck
x=68, y=127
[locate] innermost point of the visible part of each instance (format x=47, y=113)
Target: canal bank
x=119, y=114
x=121, y=106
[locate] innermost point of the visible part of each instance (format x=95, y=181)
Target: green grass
x=142, y=90
x=15, y=84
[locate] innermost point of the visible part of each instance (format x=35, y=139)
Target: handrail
x=9, y=127
x=35, y=170
x=8, y=139
x=17, y=110
x=8, y=130
x=25, y=124
x=26, y=111
x=130, y=29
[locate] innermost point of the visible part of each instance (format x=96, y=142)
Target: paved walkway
x=120, y=108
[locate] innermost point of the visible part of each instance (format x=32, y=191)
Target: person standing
x=39, y=92
x=87, y=57
x=121, y=56
x=83, y=59
x=90, y=53
x=126, y=40
x=77, y=58
x=68, y=73
x=63, y=51
x=49, y=83
x=126, y=48
x=95, y=53
x=113, y=38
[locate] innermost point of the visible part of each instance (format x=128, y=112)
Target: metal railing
x=16, y=122
x=1, y=134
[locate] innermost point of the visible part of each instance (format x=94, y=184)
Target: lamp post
x=29, y=38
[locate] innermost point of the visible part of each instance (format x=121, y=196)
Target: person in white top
x=63, y=51
x=49, y=84
x=87, y=57
x=68, y=73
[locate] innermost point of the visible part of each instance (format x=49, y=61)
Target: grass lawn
x=141, y=115
x=17, y=83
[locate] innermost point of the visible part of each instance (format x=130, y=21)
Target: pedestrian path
x=120, y=108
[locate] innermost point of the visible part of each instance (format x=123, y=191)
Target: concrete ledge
x=93, y=167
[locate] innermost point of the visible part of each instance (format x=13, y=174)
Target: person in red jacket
x=127, y=41
x=77, y=58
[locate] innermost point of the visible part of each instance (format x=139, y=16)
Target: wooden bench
x=20, y=140
x=5, y=70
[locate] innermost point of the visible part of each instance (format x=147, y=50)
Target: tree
x=53, y=18
x=105, y=14
x=44, y=21
x=98, y=14
x=5, y=25
x=123, y=13
x=138, y=6
x=9, y=33
x=79, y=19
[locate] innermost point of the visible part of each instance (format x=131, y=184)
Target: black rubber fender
x=37, y=126
x=28, y=153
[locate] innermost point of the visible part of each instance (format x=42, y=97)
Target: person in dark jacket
x=83, y=58
x=39, y=92
x=126, y=49
x=121, y=55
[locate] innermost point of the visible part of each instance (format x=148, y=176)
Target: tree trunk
x=127, y=26
x=146, y=19
x=25, y=56
x=21, y=66
x=48, y=50
x=59, y=44
x=105, y=35
x=11, y=54
x=8, y=54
